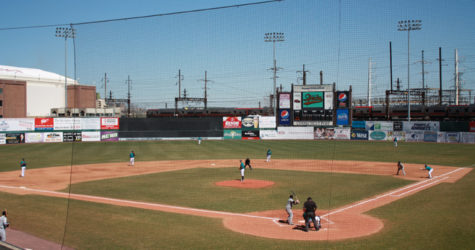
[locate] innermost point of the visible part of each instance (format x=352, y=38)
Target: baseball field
x=183, y=195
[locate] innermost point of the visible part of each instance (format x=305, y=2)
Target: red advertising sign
x=231, y=122
x=109, y=123
x=472, y=127
x=44, y=123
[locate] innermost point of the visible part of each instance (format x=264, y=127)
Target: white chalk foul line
x=389, y=194
x=419, y=187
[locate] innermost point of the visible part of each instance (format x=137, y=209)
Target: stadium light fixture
x=65, y=33
x=274, y=37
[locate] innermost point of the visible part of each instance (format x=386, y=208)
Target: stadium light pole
x=408, y=25
x=274, y=37
x=66, y=33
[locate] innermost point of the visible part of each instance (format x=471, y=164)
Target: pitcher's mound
x=248, y=183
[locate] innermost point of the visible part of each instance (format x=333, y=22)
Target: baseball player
x=428, y=168
x=400, y=167
x=288, y=208
x=23, y=167
x=199, y=140
x=3, y=225
x=132, y=158
x=269, y=154
x=248, y=163
x=242, y=167
x=395, y=141
x=309, y=208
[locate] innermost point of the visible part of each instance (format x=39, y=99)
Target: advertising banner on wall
x=467, y=137
x=284, y=117
x=421, y=126
x=53, y=137
x=441, y=137
x=284, y=100
x=324, y=133
x=250, y=122
x=90, y=123
x=415, y=136
x=250, y=134
x=358, y=134
x=358, y=124
x=3, y=138
x=342, y=99
x=452, y=137
x=313, y=100
x=430, y=136
x=379, y=126
x=91, y=136
x=17, y=124
x=72, y=136
x=44, y=123
x=377, y=135
x=67, y=123
x=297, y=100
x=268, y=134
x=231, y=122
x=397, y=126
x=342, y=117
x=232, y=134
x=267, y=122
x=342, y=134
x=34, y=138
x=328, y=100
x=401, y=135
x=295, y=133
x=15, y=138
x=109, y=136
x=109, y=123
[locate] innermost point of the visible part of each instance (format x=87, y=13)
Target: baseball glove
x=297, y=202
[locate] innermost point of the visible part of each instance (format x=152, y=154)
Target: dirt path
x=341, y=223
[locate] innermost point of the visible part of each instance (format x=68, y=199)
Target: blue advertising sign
x=359, y=134
x=342, y=117
x=284, y=117
x=358, y=124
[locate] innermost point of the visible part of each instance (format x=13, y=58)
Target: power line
x=141, y=17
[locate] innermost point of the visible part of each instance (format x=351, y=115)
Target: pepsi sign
x=342, y=99
x=284, y=117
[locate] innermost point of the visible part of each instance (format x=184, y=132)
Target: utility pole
x=128, y=95
x=304, y=74
x=440, y=75
x=274, y=37
x=457, y=87
x=180, y=78
x=369, y=82
x=321, y=77
x=391, y=66
x=205, y=99
x=423, y=72
x=105, y=85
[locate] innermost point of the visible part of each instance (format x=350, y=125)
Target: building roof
x=29, y=74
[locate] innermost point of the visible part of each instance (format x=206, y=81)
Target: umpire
x=309, y=208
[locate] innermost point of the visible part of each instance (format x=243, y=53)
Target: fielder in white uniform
x=132, y=158
x=3, y=225
x=23, y=167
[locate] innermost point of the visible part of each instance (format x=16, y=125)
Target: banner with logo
x=3, y=138
x=295, y=133
x=430, y=136
x=312, y=100
x=358, y=134
x=268, y=134
x=342, y=134
x=328, y=100
x=250, y=122
x=397, y=126
x=267, y=122
x=109, y=123
x=379, y=126
x=109, y=136
x=44, y=123
x=91, y=136
x=72, y=136
x=452, y=137
x=67, y=123
x=232, y=134
x=358, y=125
x=415, y=136
x=342, y=117
x=467, y=137
x=400, y=135
x=17, y=124
x=34, y=138
x=14, y=138
x=297, y=101
x=231, y=122
x=53, y=137
x=421, y=126
x=377, y=135
x=250, y=134
x=284, y=100
x=91, y=123
x=342, y=99
x=284, y=117
x=441, y=137
x=324, y=133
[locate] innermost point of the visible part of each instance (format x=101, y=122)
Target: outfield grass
x=195, y=188
x=60, y=154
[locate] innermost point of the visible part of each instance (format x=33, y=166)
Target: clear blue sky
x=337, y=37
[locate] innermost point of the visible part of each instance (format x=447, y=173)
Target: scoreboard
x=312, y=105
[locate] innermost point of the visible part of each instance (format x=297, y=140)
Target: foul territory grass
x=60, y=154
x=196, y=188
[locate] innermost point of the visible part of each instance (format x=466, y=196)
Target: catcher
x=288, y=208
x=3, y=225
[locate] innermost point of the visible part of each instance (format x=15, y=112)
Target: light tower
x=274, y=37
x=66, y=33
